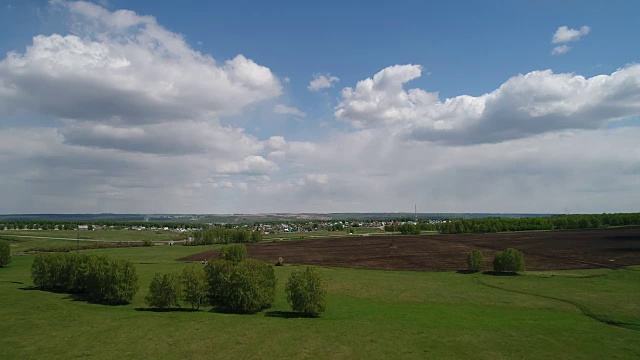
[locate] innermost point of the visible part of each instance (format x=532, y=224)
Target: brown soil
x=543, y=250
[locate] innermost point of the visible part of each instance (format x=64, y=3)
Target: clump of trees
x=168, y=289
x=508, y=261
x=165, y=291
x=220, y=235
x=5, y=253
x=98, y=278
x=240, y=284
x=404, y=229
x=475, y=260
x=306, y=291
x=234, y=253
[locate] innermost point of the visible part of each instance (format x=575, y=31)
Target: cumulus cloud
x=322, y=81
x=564, y=34
x=525, y=105
x=558, y=50
x=289, y=110
x=126, y=68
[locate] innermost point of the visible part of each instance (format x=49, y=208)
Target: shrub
x=509, y=261
x=247, y=286
x=234, y=253
x=195, y=287
x=147, y=242
x=5, y=253
x=280, y=261
x=475, y=260
x=306, y=291
x=164, y=291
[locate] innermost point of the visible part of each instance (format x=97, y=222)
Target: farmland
x=545, y=250
x=576, y=313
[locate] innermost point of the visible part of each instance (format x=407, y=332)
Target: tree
x=475, y=260
x=5, y=253
x=194, y=283
x=247, y=286
x=306, y=291
x=509, y=261
x=234, y=253
x=164, y=291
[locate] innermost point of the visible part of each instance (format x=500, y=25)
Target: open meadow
x=580, y=313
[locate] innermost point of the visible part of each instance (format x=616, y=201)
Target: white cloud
x=289, y=110
x=322, y=81
x=137, y=129
x=558, y=50
x=525, y=105
x=564, y=34
x=126, y=68
x=369, y=170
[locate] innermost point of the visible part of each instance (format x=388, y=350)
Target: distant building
x=83, y=227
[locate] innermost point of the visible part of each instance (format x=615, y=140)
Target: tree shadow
x=467, y=271
x=498, y=273
x=285, y=314
x=173, y=309
x=74, y=296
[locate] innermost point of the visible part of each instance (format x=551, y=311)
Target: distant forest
x=493, y=225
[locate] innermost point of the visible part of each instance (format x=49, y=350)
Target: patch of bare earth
x=544, y=250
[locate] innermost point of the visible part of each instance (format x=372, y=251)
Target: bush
x=195, y=287
x=475, y=260
x=280, y=261
x=99, y=278
x=306, y=291
x=509, y=261
x=164, y=291
x=247, y=286
x=5, y=253
x=234, y=253
x=147, y=243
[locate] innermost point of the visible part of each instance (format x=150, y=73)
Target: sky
x=333, y=106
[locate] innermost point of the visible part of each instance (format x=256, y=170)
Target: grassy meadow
x=370, y=315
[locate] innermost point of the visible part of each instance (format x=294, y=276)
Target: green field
x=106, y=235
x=370, y=314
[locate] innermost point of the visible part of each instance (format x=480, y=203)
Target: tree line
x=493, y=225
x=221, y=235
x=93, y=277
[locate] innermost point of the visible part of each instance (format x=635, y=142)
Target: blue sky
x=340, y=149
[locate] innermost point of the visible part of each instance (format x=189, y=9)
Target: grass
x=370, y=315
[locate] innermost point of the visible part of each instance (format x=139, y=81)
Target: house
x=83, y=227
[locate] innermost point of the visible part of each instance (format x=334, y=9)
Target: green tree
x=5, y=253
x=195, y=288
x=217, y=273
x=475, y=260
x=234, y=253
x=164, y=291
x=247, y=286
x=509, y=261
x=306, y=292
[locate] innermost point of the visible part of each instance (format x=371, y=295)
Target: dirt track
x=544, y=250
